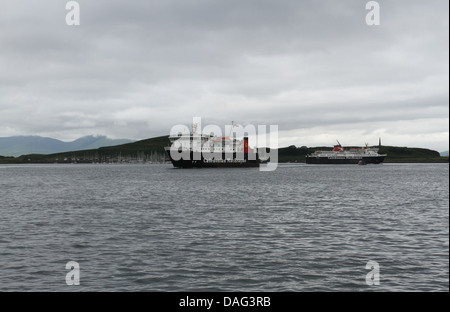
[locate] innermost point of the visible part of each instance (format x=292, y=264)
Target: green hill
x=153, y=150
x=411, y=154
x=394, y=154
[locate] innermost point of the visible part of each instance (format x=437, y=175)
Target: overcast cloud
x=133, y=69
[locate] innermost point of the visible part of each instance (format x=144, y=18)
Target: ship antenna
x=231, y=130
x=339, y=143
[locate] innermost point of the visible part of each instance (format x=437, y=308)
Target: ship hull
x=344, y=161
x=215, y=163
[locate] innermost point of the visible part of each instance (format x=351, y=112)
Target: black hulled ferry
x=339, y=155
x=206, y=151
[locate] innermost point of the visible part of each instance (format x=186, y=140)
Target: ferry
x=339, y=155
x=206, y=151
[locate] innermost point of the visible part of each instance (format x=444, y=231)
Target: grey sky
x=133, y=69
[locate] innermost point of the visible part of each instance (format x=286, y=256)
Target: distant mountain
x=143, y=150
x=444, y=154
x=24, y=145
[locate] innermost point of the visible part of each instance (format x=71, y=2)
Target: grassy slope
x=394, y=154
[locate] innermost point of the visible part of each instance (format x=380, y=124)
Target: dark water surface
x=155, y=228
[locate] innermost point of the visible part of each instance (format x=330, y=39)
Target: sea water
x=152, y=227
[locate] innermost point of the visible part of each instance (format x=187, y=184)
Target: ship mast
x=231, y=130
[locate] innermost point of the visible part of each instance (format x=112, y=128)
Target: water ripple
x=154, y=228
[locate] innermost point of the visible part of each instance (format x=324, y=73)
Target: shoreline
x=429, y=161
